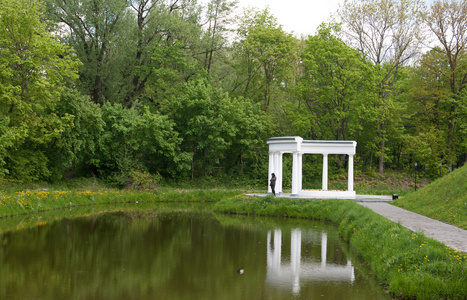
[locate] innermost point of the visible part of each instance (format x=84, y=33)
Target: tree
x=116, y=39
x=93, y=29
x=199, y=116
x=160, y=24
x=447, y=20
x=75, y=150
x=217, y=131
x=266, y=55
x=247, y=144
x=336, y=85
x=136, y=139
x=34, y=70
x=388, y=33
x=274, y=49
x=217, y=15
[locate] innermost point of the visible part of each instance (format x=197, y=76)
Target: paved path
x=449, y=235
x=358, y=198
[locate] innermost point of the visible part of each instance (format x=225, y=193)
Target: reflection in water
x=290, y=274
x=178, y=255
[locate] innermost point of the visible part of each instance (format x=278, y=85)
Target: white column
x=274, y=250
x=277, y=249
x=295, y=258
x=279, y=173
x=295, y=250
x=295, y=174
x=324, y=248
x=350, y=176
x=325, y=172
x=300, y=171
x=271, y=170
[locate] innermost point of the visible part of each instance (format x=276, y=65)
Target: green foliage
x=92, y=30
x=136, y=139
x=336, y=86
x=35, y=69
x=211, y=124
x=119, y=44
x=167, y=72
x=247, y=149
x=136, y=179
x=28, y=165
x=448, y=65
x=76, y=147
x=214, y=37
x=266, y=56
x=426, y=116
x=389, y=34
x=169, y=64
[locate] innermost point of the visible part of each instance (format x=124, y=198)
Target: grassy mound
x=444, y=199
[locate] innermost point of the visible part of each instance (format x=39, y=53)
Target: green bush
x=28, y=165
x=135, y=180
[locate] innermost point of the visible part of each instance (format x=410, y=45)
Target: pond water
x=180, y=254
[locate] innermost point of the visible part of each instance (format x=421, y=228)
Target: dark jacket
x=273, y=181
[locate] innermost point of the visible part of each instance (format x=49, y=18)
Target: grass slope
x=20, y=202
x=444, y=199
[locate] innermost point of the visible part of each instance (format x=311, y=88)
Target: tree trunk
x=381, y=145
x=381, y=159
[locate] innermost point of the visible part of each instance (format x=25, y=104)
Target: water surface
x=182, y=254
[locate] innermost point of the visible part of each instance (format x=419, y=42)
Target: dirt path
x=451, y=236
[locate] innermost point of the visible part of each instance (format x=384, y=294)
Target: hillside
x=444, y=199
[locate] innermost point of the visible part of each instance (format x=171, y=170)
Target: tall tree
x=217, y=19
x=159, y=24
x=266, y=55
x=388, y=33
x=34, y=69
x=92, y=29
x=447, y=20
x=336, y=84
x=428, y=93
x=201, y=115
x=116, y=41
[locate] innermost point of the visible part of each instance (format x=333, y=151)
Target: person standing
x=273, y=183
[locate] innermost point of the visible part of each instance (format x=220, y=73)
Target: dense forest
x=176, y=89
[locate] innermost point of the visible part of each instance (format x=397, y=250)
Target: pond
x=129, y=253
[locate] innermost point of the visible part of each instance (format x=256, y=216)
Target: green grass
x=19, y=200
x=410, y=265
x=389, y=183
x=445, y=199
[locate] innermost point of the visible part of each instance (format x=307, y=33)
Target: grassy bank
x=409, y=264
x=15, y=200
x=445, y=199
